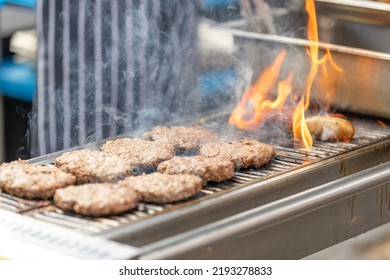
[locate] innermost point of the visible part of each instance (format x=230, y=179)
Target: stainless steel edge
x=234, y=29
x=263, y=217
x=360, y=11
x=363, y=4
x=22, y=237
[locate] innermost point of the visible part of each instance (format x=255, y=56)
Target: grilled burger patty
x=209, y=169
x=91, y=166
x=164, y=188
x=98, y=199
x=184, y=138
x=23, y=179
x=140, y=153
x=243, y=153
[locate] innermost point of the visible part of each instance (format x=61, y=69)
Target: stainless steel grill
x=294, y=169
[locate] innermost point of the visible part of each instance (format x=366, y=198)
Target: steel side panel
x=306, y=234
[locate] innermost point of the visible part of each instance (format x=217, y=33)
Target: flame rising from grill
x=256, y=105
x=300, y=129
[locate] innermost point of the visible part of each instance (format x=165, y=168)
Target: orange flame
x=312, y=35
x=382, y=124
x=300, y=128
x=254, y=105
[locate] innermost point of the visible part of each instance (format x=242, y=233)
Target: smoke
x=113, y=67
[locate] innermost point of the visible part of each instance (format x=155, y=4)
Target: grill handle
x=268, y=215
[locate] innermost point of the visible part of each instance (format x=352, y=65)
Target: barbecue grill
x=299, y=203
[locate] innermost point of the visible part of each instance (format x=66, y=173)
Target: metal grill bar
x=20, y=205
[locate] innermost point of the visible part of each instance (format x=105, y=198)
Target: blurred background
x=17, y=75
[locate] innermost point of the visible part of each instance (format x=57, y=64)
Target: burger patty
x=140, y=153
x=98, y=199
x=91, y=166
x=164, y=188
x=23, y=179
x=184, y=138
x=209, y=169
x=243, y=153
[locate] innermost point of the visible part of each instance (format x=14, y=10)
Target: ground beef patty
x=91, y=166
x=243, y=153
x=140, y=153
x=164, y=188
x=209, y=169
x=98, y=199
x=23, y=179
x=184, y=138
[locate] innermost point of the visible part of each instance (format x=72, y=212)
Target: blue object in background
x=216, y=88
x=17, y=80
x=216, y=82
x=25, y=3
x=207, y=3
x=218, y=3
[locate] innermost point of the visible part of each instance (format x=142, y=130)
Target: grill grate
x=290, y=155
x=19, y=205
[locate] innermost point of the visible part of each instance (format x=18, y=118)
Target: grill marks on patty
x=23, y=179
x=164, y=188
x=184, y=138
x=140, y=153
x=97, y=199
x=243, y=153
x=92, y=166
x=209, y=169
